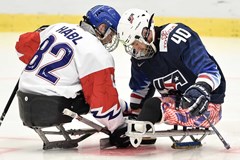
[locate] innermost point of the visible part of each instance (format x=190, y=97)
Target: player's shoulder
x=170, y=28
x=66, y=28
x=70, y=25
x=184, y=28
x=59, y=27
x=173, y=34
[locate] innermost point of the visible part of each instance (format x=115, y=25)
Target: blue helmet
x=103, y=14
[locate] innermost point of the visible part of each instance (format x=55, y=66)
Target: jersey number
x=45, y=71
x=180, y=35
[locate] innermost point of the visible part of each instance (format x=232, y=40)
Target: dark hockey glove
x=118, y=137
x=196, y=98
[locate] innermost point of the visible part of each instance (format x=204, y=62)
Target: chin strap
x=148, y=28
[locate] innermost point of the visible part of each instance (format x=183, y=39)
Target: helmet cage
x=111, y=39
x=148, y=52
x=150, y=49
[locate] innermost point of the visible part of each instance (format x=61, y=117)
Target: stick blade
x=105, y=143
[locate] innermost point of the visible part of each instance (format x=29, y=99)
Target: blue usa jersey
x=180, y=61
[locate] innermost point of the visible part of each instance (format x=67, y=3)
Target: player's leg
x=214, y=115
x=181, y=116
x=151, y=111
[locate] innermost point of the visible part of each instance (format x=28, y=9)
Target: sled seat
x=44, y=115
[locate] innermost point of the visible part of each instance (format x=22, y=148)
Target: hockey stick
x=16, y=86
x=226, y=145
x=86, y=121
x=104, y=142
x=9, y=103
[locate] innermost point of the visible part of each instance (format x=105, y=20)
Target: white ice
x=19, y=142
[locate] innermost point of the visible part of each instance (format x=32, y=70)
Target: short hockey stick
x=72, y=114
x=16, y=87
x=9, y=103
x=226, y=145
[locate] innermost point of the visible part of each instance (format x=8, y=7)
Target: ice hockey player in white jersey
x=66, y=60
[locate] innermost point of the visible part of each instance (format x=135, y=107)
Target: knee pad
x=151, y=110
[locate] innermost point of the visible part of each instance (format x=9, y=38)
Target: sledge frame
x=136, y=137
x=70, y=138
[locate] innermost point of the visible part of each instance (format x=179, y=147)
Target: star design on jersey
x=170, y=81
x=176, y=79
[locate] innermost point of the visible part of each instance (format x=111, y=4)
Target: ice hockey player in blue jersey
x=172, y=60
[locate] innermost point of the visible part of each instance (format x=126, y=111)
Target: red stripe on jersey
x=133, y=95
x=204, y=76
x=99, y=90
x=28, y=45
x=170, y=85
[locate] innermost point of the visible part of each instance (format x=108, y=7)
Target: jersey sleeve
x=96, y=74
x=102, y=97
x=27, y=46
x=189, y=47
x=141, y=87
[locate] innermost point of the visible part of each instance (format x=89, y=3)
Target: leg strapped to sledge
x=152, y=113
x=47, y=115
x=137, y=136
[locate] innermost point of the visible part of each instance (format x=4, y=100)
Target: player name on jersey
x=70, y=34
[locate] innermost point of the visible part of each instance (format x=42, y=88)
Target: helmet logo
x=131, y=18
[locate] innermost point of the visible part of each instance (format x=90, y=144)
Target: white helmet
x=130, y=28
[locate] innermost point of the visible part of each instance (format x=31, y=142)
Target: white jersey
x=66, y=54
